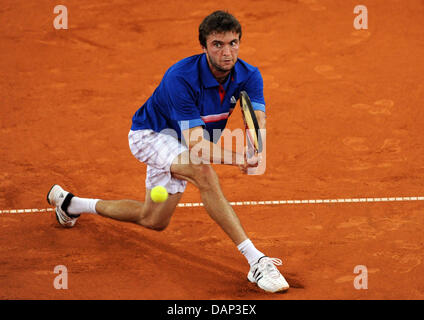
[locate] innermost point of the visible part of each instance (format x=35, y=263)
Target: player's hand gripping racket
x=254, y=141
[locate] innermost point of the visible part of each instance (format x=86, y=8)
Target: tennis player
x=195, y=98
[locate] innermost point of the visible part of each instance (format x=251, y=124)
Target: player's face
x=222, y=51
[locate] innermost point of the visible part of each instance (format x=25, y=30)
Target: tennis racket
x=254, y=140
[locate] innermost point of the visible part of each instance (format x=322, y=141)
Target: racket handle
x=250, y=152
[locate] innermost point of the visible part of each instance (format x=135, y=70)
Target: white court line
x=261, y=203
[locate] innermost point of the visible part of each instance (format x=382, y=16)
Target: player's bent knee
x=150, y=219
x=204, y=175
x=159, y=227
x=156, y=226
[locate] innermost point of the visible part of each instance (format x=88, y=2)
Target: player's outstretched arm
x=261, y=117
x=204, y=151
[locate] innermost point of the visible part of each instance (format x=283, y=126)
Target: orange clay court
x=345, y=121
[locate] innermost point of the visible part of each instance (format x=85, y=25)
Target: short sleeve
x=182, y=103
x=255, y=89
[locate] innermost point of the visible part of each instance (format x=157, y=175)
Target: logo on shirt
x=233, y=100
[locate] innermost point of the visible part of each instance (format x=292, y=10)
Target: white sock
x=82, y=205
x=249, y=251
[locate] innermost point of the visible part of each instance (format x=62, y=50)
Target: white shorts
x=157, y=150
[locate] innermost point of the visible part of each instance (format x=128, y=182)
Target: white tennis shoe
x=266, y=275
x=61, y=199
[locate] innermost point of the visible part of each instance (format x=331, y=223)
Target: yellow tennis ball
x=159, y=194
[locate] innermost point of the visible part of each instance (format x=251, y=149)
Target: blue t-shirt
x=189, y=96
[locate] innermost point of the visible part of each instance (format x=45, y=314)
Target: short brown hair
x=218, y=21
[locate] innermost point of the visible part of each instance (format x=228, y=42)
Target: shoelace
x=268, y=265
